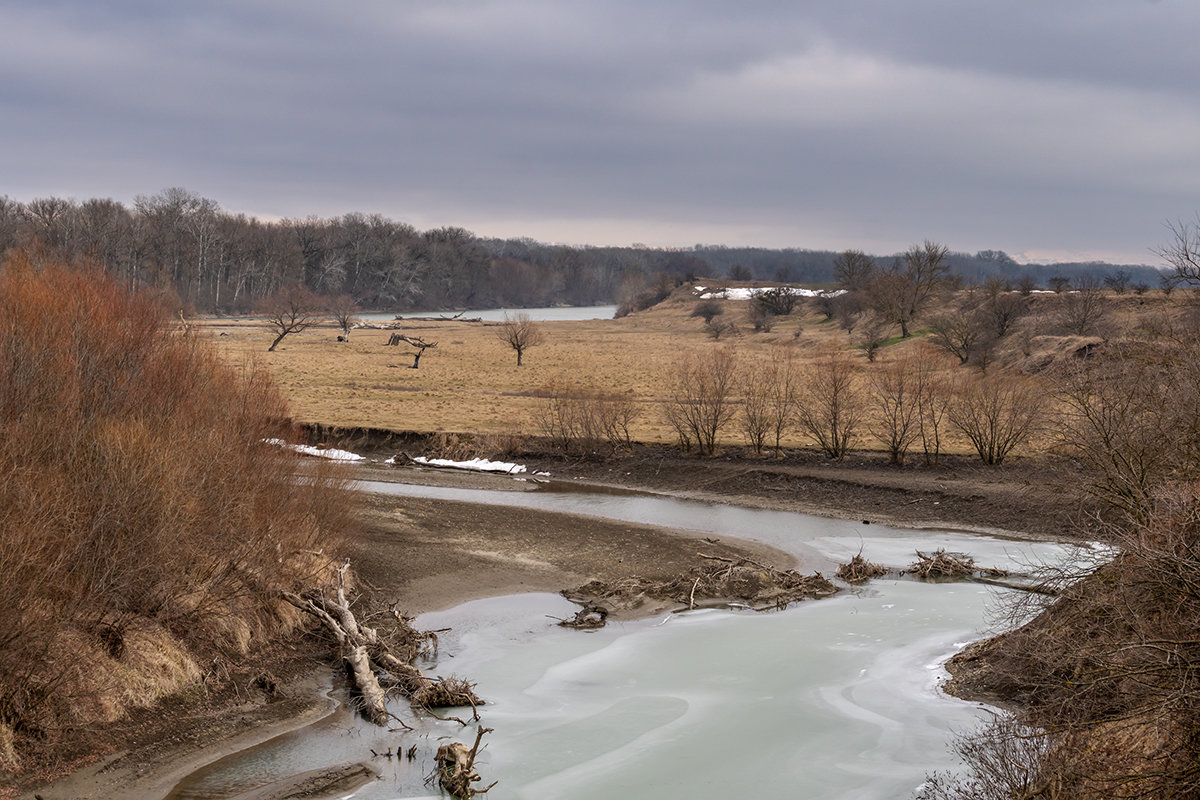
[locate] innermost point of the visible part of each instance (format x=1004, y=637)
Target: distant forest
x=217, y=261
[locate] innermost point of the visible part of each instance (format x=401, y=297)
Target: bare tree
x=903, y=291
x=292, y=309
x=853, y=270
x=784, y=391
x=585, y=420
x=420, y=344
x=996, y=413
x=699, y=403
x=756, y=405
x=831, y=406
x=520, y=333
x=1183, y=253
x=342, y=309
x=894, y=390
x=873, y=333
x=1081, y=311
x=933, y=400
x=1131, y=416
x=958, y=332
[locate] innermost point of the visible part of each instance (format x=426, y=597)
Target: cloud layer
x=1065, y=129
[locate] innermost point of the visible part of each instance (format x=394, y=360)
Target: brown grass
x=471, y=385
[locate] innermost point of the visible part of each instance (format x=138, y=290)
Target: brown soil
x=430, y=554
x=1024, y=499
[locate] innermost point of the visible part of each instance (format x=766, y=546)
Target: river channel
x=833, y=698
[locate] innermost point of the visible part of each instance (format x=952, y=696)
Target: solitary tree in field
x=342, y=309
x=520, y=333
x=291, y=309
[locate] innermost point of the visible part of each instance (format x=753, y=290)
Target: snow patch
x=745, y=293
x=477, y=464
x=331, y=453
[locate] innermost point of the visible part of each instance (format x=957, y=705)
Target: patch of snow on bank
x=745, y=293
x=331, y=453
x=477, y=464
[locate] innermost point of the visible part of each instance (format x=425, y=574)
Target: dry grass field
x=470, y=382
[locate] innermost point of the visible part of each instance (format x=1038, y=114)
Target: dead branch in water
x=759, y=585
x=375, y=661
x=858, y=569
x=940, y=564
x=455, y=769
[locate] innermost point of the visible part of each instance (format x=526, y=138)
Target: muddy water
x=831, y=698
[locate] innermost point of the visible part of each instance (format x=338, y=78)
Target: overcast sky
x=1052, y=129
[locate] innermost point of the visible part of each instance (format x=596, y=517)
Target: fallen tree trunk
x=366, y=654
x=374, y=705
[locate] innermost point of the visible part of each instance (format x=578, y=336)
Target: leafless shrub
x=140, y=506
x=996, y=413
x=1004, y=759
x=707, y=309
x=756, y=405
x=717, y=328
x=1081, y=311
x=1106, y=675
x=699, y=405
x=958, y=332
x=1131, y=415
x=760, y=318
x=831, y=405
x=777, y=302
x=873, y=333
x=894, y=391
x=585, y=420
x=932, y=394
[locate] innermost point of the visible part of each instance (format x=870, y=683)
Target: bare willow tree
x=996, y=413
x=520, y=333
x=831, y=405
x=699, y=404
x=291, y=309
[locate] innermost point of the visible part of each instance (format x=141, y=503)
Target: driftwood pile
x=940, y=564
x=717, y=578
x=379, y=663
x=858, y=569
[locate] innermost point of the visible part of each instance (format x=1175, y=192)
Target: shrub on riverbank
x=145, y=528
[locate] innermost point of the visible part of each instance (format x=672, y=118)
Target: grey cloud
x=1015, y=125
